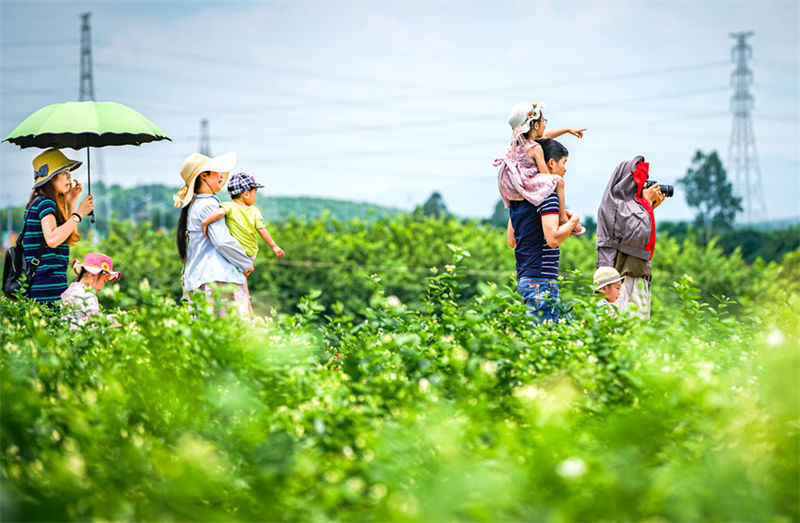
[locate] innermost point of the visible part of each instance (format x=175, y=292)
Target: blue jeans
x=542, y=298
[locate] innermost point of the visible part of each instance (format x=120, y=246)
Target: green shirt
x=244, y=222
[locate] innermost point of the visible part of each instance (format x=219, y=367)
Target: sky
x=386, y=102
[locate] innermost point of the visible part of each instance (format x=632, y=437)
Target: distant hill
x=281, y=207
x=154, y=203
x=134, y=200
x=770, y=225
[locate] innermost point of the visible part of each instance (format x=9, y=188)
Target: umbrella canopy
x=76, y=125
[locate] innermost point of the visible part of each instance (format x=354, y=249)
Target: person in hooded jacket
x=626, y=232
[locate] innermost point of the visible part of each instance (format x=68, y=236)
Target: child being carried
x=523, y=173
x=242, y=217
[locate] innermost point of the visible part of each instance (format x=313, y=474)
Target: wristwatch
x=77, y=217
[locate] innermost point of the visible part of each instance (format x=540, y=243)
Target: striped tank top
x=50, y=279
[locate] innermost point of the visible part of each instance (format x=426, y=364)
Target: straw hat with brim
x=606, y=276
x=194, y=165
x=50, y=163
x=95, y=263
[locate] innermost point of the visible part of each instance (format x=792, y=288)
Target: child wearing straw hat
x=93, y=272
x=607, y=283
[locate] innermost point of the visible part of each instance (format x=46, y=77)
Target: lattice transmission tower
x=87, y=77
x=205, y=138
x=742, y=154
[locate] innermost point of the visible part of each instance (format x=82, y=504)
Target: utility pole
x=205, y=138
x=742, y=154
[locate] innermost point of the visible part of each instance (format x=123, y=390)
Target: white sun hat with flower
x=522, y=115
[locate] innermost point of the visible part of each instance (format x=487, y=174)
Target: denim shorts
x=542, y=298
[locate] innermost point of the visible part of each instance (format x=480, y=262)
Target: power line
x=330, y=76
x=40, y=68
x=38, y=43
x=236, y=62
x=393, y=100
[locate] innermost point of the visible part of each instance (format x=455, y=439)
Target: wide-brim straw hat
x=197, y=163
x=95, y=263
x=50, y=163
x=606, y=276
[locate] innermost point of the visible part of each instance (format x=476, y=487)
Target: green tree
x=500, y=216
x=708, y=190
x=434, y=206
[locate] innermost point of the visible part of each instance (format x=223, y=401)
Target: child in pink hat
x=93, y=273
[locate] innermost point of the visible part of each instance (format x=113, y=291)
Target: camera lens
x=667, y=190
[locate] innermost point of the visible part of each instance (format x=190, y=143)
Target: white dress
x=80, y=302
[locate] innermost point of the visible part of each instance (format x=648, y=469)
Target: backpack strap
x=35, y=261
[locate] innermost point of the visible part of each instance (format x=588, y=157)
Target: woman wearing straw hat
x=51, y=225
x=216, y=262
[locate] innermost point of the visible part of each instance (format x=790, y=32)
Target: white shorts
x=634, y=296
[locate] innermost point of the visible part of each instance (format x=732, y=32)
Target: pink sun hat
x=95, y=263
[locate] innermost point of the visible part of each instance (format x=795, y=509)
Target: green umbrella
x=85, y=124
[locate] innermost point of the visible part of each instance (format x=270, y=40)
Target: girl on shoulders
x=523, y=173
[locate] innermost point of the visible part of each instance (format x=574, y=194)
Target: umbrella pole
x=89, y=176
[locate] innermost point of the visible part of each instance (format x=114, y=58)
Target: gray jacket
x=623, y=224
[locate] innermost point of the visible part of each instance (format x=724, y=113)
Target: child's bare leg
x=562, y=213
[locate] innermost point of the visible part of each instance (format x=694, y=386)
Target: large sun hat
x=50, y=163
x=95, y=263
x=194, y=165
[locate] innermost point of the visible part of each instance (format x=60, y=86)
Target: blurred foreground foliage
x=421, y=399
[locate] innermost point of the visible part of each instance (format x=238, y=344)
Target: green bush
x=445, y=405
x=337, y=257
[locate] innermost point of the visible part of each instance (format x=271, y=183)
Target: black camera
x=666, y=190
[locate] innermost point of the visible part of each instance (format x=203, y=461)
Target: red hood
x=640, y=176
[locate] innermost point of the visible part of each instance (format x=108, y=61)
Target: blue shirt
x=535, y=259
x=50, y=279
x=216, y=258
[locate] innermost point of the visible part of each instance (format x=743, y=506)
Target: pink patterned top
x=82, y=303
x=519, y=177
